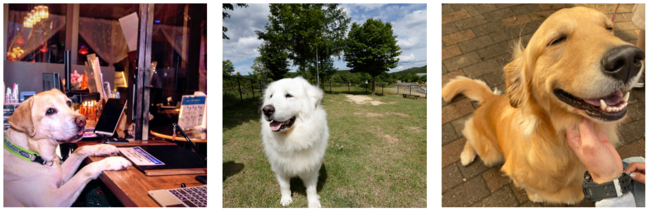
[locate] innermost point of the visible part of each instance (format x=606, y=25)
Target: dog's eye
x=609, y=28
x=271, y=96
x=556, y=41
x=69, y=103
x=50, y=111
x=288, y=95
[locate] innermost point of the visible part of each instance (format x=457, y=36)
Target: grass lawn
x=376, y=156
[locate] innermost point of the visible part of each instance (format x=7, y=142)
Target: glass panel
x=36, y=32
x=100, y=32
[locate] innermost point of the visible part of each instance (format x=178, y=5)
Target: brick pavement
x=477, y=40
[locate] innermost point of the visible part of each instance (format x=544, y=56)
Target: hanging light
x=36, y=15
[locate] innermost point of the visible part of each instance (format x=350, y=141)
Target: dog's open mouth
x=76, y=137
x=281, y=126
x=608, y=108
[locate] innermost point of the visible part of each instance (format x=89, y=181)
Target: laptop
x=196, y=196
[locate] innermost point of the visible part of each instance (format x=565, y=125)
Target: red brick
x=450, y=51
x=451, y=152
x=455, y=16
x=541, y=15
x=457, y=37
x=552, y=6
x=456, y=110
x=495, y=179
x=634, y=149
x=451, y=75
x=520, y=193
x=516, y=20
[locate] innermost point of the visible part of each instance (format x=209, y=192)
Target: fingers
x=639, y=177
x=573, y=137
x=587, y=131
x=635, y=167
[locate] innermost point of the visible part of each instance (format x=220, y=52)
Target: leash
x=25, y=154
x=614, y=15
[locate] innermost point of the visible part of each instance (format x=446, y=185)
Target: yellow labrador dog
x=33, y=174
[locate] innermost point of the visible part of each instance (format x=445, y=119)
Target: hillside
x=422, y=69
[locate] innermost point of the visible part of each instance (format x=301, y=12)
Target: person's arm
x=600, y=158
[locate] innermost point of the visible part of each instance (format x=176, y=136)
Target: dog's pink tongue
x=610, y=100
x=275, y=125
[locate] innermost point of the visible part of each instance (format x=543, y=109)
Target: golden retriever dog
x=573, y=68
x=33, y=174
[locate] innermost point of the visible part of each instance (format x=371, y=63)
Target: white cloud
x=411, y=30
x=370, y=6
x=407, y=58
x=241, y=26
x=399, y=68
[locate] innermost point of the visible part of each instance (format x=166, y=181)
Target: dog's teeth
x=626, y=97
x=603, y=106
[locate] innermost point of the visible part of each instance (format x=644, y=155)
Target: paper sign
x=192, y=111
x=139, y=157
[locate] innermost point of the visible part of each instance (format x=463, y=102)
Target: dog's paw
x=100, y=150
x=115, y=163
x=286, y=200
x=466, y=158
x=314, y=204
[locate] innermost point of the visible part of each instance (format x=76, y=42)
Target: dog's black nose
x=81, y=121
x=623, y=62
x=268, y=110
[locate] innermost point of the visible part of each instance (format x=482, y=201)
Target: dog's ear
x=314, y=93
x=21, y=120
x=517, y=77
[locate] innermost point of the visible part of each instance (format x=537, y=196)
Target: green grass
x=376, y=156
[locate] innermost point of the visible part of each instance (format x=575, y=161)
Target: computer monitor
x=110, y=117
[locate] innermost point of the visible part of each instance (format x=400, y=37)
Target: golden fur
x=526, y=129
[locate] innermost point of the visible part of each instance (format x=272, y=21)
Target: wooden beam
x=143, y=69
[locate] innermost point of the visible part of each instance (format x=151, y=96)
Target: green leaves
x=303, y=31
x=371, y=48
x=228, y=68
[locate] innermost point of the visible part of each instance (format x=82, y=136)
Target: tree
x=371, y=48
x=226, y=15
x=259, y=70
x=228, y=68
x=304, y=31
x=275, y=59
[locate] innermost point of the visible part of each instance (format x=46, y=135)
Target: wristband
x=595, y=192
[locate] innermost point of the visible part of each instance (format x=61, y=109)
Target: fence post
x=348, y=87
x=241, y=99
x=382, y=89
x=252, y=88
x=261, y=88
x=409, y=89
x=398, y=89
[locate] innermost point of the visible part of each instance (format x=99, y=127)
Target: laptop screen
x=110, y=117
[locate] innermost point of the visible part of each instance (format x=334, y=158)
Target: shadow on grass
x=241, y=113
x=231, y=168
x=298, y=186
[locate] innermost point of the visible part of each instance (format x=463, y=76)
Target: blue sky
x=409, y=25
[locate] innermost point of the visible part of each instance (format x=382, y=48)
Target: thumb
x=573, y=136
x=639, y=177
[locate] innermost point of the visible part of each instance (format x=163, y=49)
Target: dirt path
x=361, y=99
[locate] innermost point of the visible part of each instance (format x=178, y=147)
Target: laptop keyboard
x=192, y=196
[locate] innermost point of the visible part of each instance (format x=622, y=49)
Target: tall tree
x=228, y=68
x=306, y=30
x=275, y=58
x=259, y=70
x=226, y=15
x=371, y=48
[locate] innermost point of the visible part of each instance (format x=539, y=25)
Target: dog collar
x=25, y=154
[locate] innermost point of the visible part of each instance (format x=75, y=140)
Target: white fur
x=299, y=150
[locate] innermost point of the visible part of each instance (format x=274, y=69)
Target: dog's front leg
x=70, y=190
x=71, y=164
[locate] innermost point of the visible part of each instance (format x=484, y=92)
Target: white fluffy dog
x=295, y=133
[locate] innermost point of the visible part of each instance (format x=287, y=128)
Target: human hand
x=595, y=152
x=638, y=171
